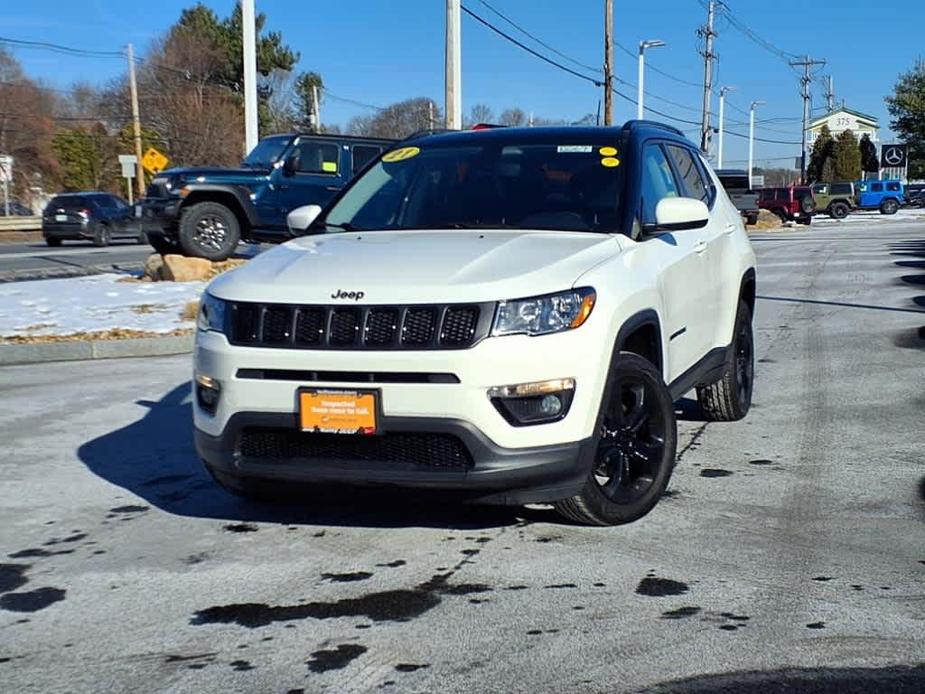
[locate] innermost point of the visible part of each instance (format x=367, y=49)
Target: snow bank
x=95, y=303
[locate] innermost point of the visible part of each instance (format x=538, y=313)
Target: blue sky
x=381, y=51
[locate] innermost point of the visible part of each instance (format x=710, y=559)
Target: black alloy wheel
x=635, y=451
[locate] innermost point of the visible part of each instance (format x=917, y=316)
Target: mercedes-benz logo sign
x=893, y=156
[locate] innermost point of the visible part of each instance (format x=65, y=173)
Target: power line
x=347, y=100
x=58, y=48
x=596, y=82
x=545, y=45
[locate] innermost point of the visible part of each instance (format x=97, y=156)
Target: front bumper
x=160, y=215
x=495, y=475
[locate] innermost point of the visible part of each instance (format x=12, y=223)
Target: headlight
x=211, y=313
x=541, y=315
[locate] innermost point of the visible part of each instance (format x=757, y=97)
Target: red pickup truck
x=794, y=203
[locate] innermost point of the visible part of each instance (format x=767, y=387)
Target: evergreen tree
x=869, y=160
x=847, y=157
x=821, y=166
x=907, y=106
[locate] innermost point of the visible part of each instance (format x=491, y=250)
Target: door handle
x=700, y=246
x=332, y=189
x=731, y=228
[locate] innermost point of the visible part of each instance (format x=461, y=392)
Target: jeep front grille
x=359, y=327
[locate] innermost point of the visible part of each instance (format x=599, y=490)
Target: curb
x=11, y=354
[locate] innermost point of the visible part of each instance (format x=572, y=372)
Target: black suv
x=206, y=211
x=98, y=217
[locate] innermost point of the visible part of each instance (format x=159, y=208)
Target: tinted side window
x=691, y=178
x=105, y=202
x=841, y=189
x=363, y=154
x=657, y=181
x=892, y=187
x=876, y=187
x=782, y=194
x=318, y=157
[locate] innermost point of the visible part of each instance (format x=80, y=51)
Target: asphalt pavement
x=789, y=550
x=35, y=260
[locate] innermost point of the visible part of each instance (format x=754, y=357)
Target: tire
x=889, y=207
x=162, y=244
x=52, y=242
x=807, y=205
x=102, y=236
x=730, y=398
x=751, y=220
x=783, y=216
x=839, y=210
x=638, y=437
x=209, y=230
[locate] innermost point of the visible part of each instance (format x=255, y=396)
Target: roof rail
x=424, y=133
x=632, y=124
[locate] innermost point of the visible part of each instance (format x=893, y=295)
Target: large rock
x=154, y=267
x=178, y=268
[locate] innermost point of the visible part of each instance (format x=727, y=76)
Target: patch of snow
x=874, y=217
x=94, y=303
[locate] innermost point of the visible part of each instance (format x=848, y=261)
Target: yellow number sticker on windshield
x=607, y=151
x=610, y=162
x=329, y=166
x=401, y=154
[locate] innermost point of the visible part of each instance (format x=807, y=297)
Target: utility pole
x=316, y=109
x=830, y=94
x=453, y=96
x=722, y=115
x=805, y=80
x=249, y=38
x=706, y=127
x=136, y=122
x=608, y=62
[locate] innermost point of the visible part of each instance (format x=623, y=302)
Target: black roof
x=730, y=172
x=334, y=136
x=561, y=134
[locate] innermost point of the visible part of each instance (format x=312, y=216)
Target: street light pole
x=722, y=114
x=751, y=139
x=641, y=81
x=453, y=67
x=249, y=39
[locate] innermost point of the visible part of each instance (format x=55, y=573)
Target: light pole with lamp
x=643, y=45
x=722, y=111
x=751, y=139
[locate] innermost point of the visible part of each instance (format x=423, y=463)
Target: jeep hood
x=417, y=266
x=215, y=172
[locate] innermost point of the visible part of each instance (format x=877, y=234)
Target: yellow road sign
x=154, y=161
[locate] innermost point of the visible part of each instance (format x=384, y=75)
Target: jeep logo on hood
x=341, y=294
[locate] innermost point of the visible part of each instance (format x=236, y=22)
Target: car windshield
x=498, y=184
x=267, y=152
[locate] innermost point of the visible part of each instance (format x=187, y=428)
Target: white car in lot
x=510, y=313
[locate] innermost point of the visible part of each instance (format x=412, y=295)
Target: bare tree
x=398, y=120
x=480, y=113
x=513, y=116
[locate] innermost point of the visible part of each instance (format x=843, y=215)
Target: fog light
x=534, y=403
x=208, y=392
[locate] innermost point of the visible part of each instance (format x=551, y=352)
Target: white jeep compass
x=510, y=313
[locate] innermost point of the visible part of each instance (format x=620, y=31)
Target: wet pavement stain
x=823, y=579
x=761, y=461
x=393, y=564
x=38, y=552
x=240, y=528
x=390, y=605
x=735, y=617
x=185, y=658
x=856, y=586
x=681, y=612
x=556, y=586
x=816, y=680
x=410, y=667
x=12, y=576
x=715, y=472
x=516, y=588
x=464, y=589
x=76, y=537
x=33, y=600
x=816, y=625
x=336, y=658
x=131, y=508
x=241, y=665
x=347, y=577
x=654, y=587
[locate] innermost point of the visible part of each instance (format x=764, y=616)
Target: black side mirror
x=291, y=165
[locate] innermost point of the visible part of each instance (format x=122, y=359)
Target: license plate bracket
x=339, y=411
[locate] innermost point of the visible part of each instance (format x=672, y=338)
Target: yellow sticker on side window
x=329, y=166
x=607, y=151
x=401, y=154
x=610, y=162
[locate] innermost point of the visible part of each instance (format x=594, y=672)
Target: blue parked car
x=886, y=196
x=205, y=211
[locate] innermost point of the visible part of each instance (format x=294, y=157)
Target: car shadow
x=154, y=459
x=689, y=410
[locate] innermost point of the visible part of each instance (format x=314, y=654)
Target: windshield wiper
x=343, y=226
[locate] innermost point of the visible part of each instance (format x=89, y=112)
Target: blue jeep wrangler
x=886, y=196
x=205, y=211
